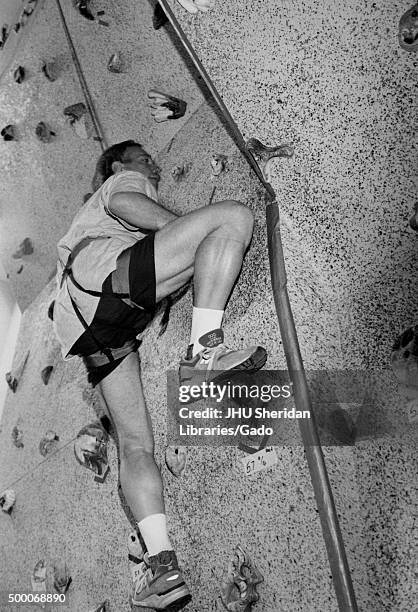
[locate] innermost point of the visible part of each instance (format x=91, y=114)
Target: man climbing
x=122, y=255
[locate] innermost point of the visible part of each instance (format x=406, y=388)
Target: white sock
x=204, y=320
x=153, y=529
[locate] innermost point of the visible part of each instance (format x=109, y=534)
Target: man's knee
x=134, y=450
x=239, y=217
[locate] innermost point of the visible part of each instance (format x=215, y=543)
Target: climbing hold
x=62, y=578
x=38, y=578
x=181, y=171
x=90, y=449
x=159, y=18
x=9, y=132
x=238, y=592
x=194, y=6
x=413, y=221
x=19, y=270
x=264, y=155
x=48, y=443
x=4, y=35
x=19, y=74
x=46, y=374
x=83, y=7
x=408, y=29
x=164, y=106
x=11, y=381
x=51, y=310
x=44, y=132
x=218, y=163
x=50, y=70
x=115, y=63
x=7, y=500
x=404, y=357
x=25, y=248
x=175, y=458
x=78, y=118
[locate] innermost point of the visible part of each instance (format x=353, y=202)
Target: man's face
x=137, y=159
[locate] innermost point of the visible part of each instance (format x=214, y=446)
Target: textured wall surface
x=333, y=81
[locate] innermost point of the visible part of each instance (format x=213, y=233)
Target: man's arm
x=139, y=210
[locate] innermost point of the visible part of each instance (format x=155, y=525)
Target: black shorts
x=116, y=324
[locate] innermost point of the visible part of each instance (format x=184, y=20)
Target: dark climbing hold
x=9, y=132
x=17, y=437
x=159, y=18
x=7, y=500
x=84, y=9
x=408, y=29
x=62, y=578
x=46, y=374
x=51, y=310
x=11, y=381
x=90, y=449
x=19, y=270
x=75, y=111
x=50, y=70
x=25, y=248
x=164, y=106
x=44, y=133
x=19, y=74
x=115, y=63
x=48, y=443
x=4, y=35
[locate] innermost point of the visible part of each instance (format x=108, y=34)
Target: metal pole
x=322, y=489
x=89, y=102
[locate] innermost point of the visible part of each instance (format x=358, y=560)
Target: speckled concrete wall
x=345, y=199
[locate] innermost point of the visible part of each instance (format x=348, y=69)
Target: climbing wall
x=329, y=229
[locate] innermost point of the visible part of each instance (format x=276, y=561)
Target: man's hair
x=104, y=164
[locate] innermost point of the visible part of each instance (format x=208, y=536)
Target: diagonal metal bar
x=320, y=482
x=83, y=83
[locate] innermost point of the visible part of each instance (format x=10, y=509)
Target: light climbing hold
x=17, y=437
x=408, y=29
x=90, y=449
x=176, y=458
x=44, y=132
x=194, y=6
x=159, y=19
x=25, y=248
x=218, y=163
x=404, y=357
x=7, y=500
x=50, y=70
x=180, y=172
x=48, y=443
x=62, y=578
x=83, y=7
x=116, y=63
x=164, y=106
x=19, y=74
x=264, y=155
x=9, y=132
x=78, y=118
x=38, y=578
x=46, y=374
x=238, y=592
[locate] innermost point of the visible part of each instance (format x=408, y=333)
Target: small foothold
x=104, y=23
x=79, y=120
x=115, y=63
x=264, y=155
x=25, y=248
x=50, y=70
x=84, y=9
x=90, y=449
x=46, y=374
x=62, y=578
x=7, y=500
x=38, y=578
x=19, y=270
x=11, y=381
x=19, y=74
x=16, y=29
x=181, y=171
x=159, y=19
x=165, y=107
x=44, y=133
x=4, y=35
x=48, y=443
x=413, y=221
x=9, y=132
x=238, y=591
x=404, y=357
x=176, y=458
x=408, y=29
x=75, y=111
x=51, y=310
x=218, y=163
x=17, y=436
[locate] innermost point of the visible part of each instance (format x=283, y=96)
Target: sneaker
x=216, y=361
x=160, y=584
